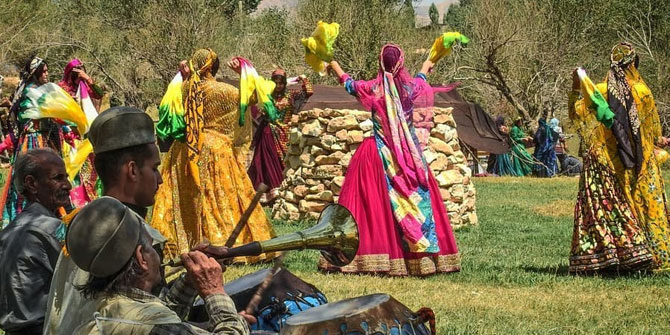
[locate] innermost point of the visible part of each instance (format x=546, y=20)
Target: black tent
x=475, y=128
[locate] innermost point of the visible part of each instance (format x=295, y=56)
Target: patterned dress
x=368, y=192
x=271, y=138
x=645, y=189
x=34, y=134
x=606, y=233
x=187, y=214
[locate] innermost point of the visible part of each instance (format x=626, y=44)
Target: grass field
x=514, y=278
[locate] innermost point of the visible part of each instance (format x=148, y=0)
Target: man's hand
x=204, y=273
x=82, y=75
x=211, y=251
x=250, y=318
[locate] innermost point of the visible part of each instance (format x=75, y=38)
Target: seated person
x=124, y=269
x=30, y=244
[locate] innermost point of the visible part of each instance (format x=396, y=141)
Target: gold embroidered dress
x=189, y=211
x=643, y=184
x=606, y=234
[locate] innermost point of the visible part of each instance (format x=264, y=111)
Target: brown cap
x=103, y=236
x=121, y=127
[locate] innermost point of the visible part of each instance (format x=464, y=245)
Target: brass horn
x=335, y=235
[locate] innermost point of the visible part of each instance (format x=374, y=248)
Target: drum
x=287, y=295
x=370, y=314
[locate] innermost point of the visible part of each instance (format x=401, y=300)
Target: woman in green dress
x=522, y=161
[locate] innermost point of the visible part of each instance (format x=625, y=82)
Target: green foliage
x=519, y=61
x=434, y=14
x=409, y=13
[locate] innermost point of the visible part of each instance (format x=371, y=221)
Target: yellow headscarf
x=201, y=65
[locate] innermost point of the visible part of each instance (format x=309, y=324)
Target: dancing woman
x=403, y=225
x=32, y=134
x=87, y=94
x=607, y=235
x=271, y=137
x=205, y=186
x=637, y=134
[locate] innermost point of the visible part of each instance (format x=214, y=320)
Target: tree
x=434, y=14
x=410, y=13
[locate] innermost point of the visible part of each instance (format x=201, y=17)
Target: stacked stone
x=322, y=142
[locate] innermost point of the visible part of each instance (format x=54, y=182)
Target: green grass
x=514, y=278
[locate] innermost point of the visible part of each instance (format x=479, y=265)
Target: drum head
x=339, y=309
x=370, y=314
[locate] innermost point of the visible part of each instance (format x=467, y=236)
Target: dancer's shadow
x=558, y=270
x=562, y=270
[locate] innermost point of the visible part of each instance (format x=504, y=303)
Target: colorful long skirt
x=501, y=165
x=381, y=249
x=606, y=233
x=187, y=214
x=267, y=165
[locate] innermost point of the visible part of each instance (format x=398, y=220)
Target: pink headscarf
x=412, y=92
x=70, y=85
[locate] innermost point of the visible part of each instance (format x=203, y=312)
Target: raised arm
x=426, y=68
x=573, y=96
x=337, y=70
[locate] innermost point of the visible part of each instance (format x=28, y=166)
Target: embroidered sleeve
x=349, y=84
x=298, y=97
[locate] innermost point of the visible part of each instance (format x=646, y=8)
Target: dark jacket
x=29, y=249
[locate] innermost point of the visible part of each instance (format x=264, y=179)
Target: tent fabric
x=474, y=126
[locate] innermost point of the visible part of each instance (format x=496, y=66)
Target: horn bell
x=335, y=235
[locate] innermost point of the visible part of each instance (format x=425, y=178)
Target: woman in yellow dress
x=205, y=186
x=638, y=133
x=606, y=235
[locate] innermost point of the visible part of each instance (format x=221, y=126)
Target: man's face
x=52, y=188
x=154, y=277
x=149, y=179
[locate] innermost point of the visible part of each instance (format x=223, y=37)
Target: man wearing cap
x=126, y=160
x=110, y=241
x=29, y=245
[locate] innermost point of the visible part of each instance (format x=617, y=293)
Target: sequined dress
x=187, y=214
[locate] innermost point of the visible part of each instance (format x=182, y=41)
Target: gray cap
x=121, y=127
x=103, y=236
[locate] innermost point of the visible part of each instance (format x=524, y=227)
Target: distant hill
x=421, y=8
x=277, y=3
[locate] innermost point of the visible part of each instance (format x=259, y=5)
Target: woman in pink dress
x=389, y=188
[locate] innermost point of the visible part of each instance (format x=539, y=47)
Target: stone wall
x=323, y=141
